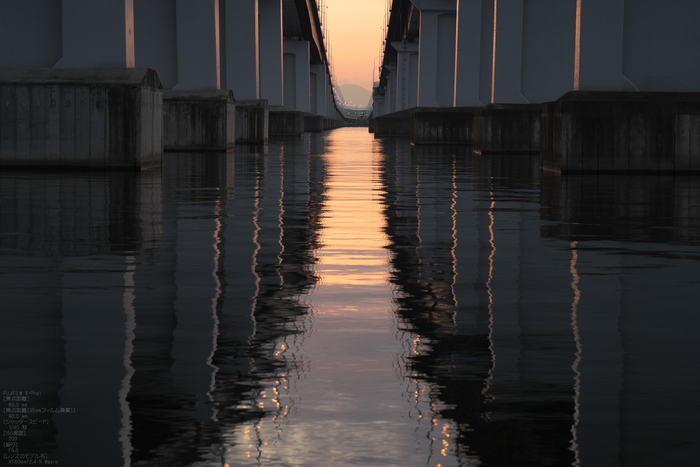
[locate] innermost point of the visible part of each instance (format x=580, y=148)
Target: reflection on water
x=340, y=300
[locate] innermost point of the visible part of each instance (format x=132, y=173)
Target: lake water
x=344, y=301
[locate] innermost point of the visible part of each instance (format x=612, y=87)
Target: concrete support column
x=599, y=46
x=296, y=75
x=641, y=46
x=31, y=34
x=406, y=75
x=271, y=51
x=533, y=51
x=198, y=57
x=436, y=58
x=507, y=53
x=97, y=34
x=155, y=23
x=321, y=94
x=548, y=50
x=391, y=89
x=242, y=45
x=469, y=51
x=379, y=106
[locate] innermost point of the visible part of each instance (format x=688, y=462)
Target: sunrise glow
x=355, y=30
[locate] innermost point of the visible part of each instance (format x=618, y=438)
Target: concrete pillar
x=406, y=75
x=507, y=53
x=549, y=47
x=379, y=106
x=599, y=46
x=391, y=89
x=647, y=46
x=313, y=91
x=296, y=75
x=474, y=42
x=533, y=51
x=198, y=58
x=320, y=107
x=242, y=45
x=155, y=23
x=436, y=56
x=97, y=34
x=271, y=50
x=31, y=34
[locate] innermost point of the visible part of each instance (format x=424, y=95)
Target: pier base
x=394, y=124
x=92, y=118
x=588, y=131
x=199, y=121
x=507, y=128
x=313, y=123
x=449, y=125
x=252, y=121
x=285, y=121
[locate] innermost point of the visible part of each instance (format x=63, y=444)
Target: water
x=340, y=300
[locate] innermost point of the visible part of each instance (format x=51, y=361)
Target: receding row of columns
x=471, y=53
x=193, y=45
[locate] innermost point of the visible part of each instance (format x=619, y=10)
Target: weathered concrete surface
x=199, y=120
x=507, y=128
x=252, y=121
x=285, y=121
x=394, y=124
x=96, y=118
x=313, y=123
x=588, y=131
x=443, y=125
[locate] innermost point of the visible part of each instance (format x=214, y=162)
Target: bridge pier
x=241, y=51
x=406, y=75
x=288, y=120
x=271, y=51
x=436, y=52
x=533, y=62
x=99, y=118
x=91, y=109
x=198, y=114
x=97, y=34
x=635, y=105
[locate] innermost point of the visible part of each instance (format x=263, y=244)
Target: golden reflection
x=352, y=238
x=215, y=301
x=453, y=208
x=492, y=243
x=130, y=328
x=578, y=355
x=258, y=247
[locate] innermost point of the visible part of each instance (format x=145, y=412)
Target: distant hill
x=356, y=95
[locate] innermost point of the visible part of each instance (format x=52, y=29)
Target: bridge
x=592, y=85
x=206, y=74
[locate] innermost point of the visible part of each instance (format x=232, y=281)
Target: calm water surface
x=345, y=301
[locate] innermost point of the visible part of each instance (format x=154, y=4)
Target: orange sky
x=355, y=31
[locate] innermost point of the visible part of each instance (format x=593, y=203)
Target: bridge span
x=592, y=85
x=223, y=71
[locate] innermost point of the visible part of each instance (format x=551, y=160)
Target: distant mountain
x=356, y=95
